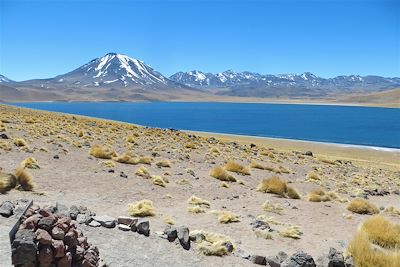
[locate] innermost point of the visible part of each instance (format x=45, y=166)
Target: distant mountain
x=4, y=79
x=114, y=70
x=240, y=83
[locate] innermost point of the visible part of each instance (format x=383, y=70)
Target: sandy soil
x=77, y=178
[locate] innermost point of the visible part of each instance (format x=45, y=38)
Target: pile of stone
x=46, y=238
x=134, y=224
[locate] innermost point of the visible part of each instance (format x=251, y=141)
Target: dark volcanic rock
x=24, y=248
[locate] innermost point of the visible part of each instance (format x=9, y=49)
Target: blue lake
x=335, y=124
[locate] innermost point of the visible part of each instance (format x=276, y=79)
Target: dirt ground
x=77, y=178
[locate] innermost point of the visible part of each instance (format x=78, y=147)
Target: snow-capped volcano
x=116, y=70
x=4, y=79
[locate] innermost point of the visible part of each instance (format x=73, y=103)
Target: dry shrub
x=7, y=182
x=30, y=163
x=268, y=220
x=168, y=220
x=193, y=200
x=292, y=193
x=163, y=163
x=215, y=150
x=5, y=146
x=190, y=145
x=376, y=243
x=224, y=185
x=142, y=171
x=108, y=164
x=130, y=139
x=158, y=180
x=19, y=142
x=320, y=195
x=392, y=211
x=195, y=210
x=102, y=152
x=262, y=234
x=271, y=207
x=312, y=176
x=236, y=167
x=273, y=185
x=141, y=208
x=24, y=179
x=145, y=160
x=291, y=232
x=256, y=165
x=227, y=217
x=221, y=174
x=126, y=158
x=361, y=206
x=212, y=244
x=327, y=161
x=183, y=181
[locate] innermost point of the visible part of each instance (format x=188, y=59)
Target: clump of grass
x=141, y=208
x=7, y=182
x=126, y=158
x=233, y=166
x=221, y=174
x=168, y=220
x=271, y=207
x=273, y=185
x=392, y=211
x=212, y=244
x=190, y=145
x=376, y=243
x=193, y=200
x=24, y=179
x=195, y=210
x=142, y=171
x=108, y=164
x=5, y=146
x=320, y=195
x=312, y=176
x=227, y=217
x=130, y=139
x=327, y=161
x=145, y=160
x=256, y=165
x=262, y=234
x=215, y=150
x=102, y=152
x=30, y=163
x=163, y=163
x=361, y=206
x=268, y=220
x=292, y=193
x=158, y=180
x=20, y=142
x=183, y=181
x=291, y=232
x=224, y=185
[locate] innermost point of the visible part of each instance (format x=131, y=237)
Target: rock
x=79, y=253
x=65, y=261
x=171, y=233
x=273, y=261
x=62, y=209
x=94, y=223
x=257, y=259
x=349, y=262
x=299, y=259
x=82, y=241
x=260, y=225
x=57, y=233
x=43, y=237
x=335, y=258
x=143, y=228
x=282, y=256
x=46, y=223
x=124, y=227
x=32, y=222
x=71, y=239
x=105, y=220
x=123, y=175
x=83, y=218
x=308, y=153
x=198, y=237
x=229, y=246
x=126, y=220
x=73, y=212
x=4, y=136
x=24, y=248
x=56, y=157
x=183, y=237
x=7, y=209
x=44, y=213
x=58, y=248
x=45, y=256
x=241, y=253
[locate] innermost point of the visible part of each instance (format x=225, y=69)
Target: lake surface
x=334, y=124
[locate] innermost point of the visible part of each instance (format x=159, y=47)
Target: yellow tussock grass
x=30, y=163
x=158, y=180
x=195, y=210
x=376, y=243
x=24, y=179
x=320, y=195
x=392, y=211
x=163, y=163
x=19, y=142
x=126, y=158
x=362, y=206
x=221, y=174
x=108, y=163
x=227, y=217
x=130, y=139
x=141, y=208
x=292, y=193
x=233, y=166
x=291, y=232
x=224, y=185
x=273, y=185
x=193, y=200
x=271, y=207
x=213, y=244
x=7, y=182
x=168, y=220
x=142, y=171
x=102, y=152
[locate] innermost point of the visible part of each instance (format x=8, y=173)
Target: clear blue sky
x=41, y=39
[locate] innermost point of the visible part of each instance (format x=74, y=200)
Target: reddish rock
x=65, y=261
x=45, y=256
x=57, y=233
x=79, y=253
x=29, y=213
x=35, y=207
x=58, y=248
x=63, y=220
x=70, y=239
x=46, y=223
x=31, y=222
x=44, y=213
x=82, y=241
x=127, y=220
x=90, y=259
x=43, y=237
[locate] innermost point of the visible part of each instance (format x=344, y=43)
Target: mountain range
x=120, y=77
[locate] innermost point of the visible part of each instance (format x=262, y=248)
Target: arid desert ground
x=309, y=195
